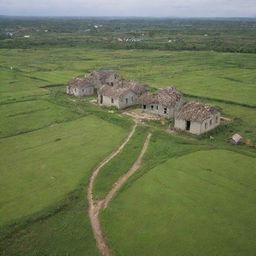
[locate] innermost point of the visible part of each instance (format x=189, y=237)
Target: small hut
x=164, y=102
x=236, y=139
x=115, y=96
x=80, y=86
x=197, y=118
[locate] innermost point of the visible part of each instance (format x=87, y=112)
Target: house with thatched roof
x=80, y=86
x=197, y=118
x=164, y=102
x=120, y=97
x=104, y=77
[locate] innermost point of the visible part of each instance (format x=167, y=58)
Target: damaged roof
x=136, y=87
x=166, y=97
x=196, y=111
x=80, y=82
x=104, y=74
x=114, y=92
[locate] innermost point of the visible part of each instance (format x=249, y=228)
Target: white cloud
x=183, y=8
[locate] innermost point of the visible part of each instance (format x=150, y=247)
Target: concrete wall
x=210, y=123
x=160, y=110
x=80, y=92
x=199, y=127
x=126, y=100
x=108, y=101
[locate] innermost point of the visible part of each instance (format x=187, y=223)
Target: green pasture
x=202, y=203
x=22, y=117
x=226, y=76
x=64, y=232
x=39, y=168
x=188, y=196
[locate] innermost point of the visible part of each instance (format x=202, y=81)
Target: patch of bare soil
x=142, y=116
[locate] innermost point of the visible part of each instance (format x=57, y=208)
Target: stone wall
x=160, y=110
x=80, y=92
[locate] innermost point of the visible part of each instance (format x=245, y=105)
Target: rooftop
x=166, y=97
x=196, y=111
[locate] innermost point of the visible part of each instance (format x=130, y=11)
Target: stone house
x=197, y=118
x=164, y=102
x=104, y=77
x=138, y=88
x=80, y=86
x=116, y=96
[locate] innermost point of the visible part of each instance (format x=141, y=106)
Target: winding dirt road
x=95, y=207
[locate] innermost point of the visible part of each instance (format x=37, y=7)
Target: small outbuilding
x=80, y=86
x=236, y=139
x=164, y=102
x=116, y=96
x=197, y=118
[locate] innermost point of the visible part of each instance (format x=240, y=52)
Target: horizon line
x=128, y=16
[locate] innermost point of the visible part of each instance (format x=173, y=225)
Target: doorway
x=101, y=99
x=188, y=124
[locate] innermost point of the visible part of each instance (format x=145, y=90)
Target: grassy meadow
x=188, y=190
x=200, y=201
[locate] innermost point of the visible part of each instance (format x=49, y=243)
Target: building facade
x=118, y=97
x=80, y=87
x=164, y=102
x=197, y=118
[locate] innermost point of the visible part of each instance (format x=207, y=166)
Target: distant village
x=113, y=90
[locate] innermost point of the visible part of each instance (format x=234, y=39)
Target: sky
x=142, y=8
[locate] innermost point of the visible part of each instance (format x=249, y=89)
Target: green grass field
x=202, y=203
x=51, y=162
x=49, y=143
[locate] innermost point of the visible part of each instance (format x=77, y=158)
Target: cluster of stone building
x=113, y=90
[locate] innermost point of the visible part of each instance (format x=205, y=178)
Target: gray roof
x=196, y=111
x=102, y=75
x=80, y=82
x=166, y=97
x=136, y=87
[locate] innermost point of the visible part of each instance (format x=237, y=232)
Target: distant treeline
x=225, y=35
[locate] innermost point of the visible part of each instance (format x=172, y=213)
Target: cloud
x=160, y=8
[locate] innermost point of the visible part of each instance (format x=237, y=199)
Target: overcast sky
x=157, y=8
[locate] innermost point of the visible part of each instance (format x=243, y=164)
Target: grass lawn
x=22, y=117
x=226, y=76
x=39, y=168
x=66, y=232
x=186, y=199
x=202, y=203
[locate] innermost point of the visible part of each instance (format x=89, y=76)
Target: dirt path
x=126, y=176
x=95, y=207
